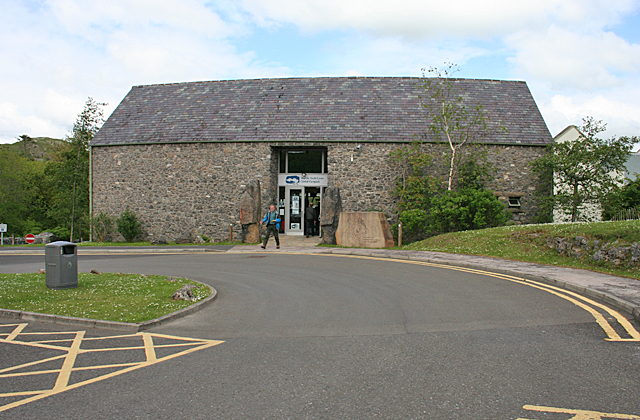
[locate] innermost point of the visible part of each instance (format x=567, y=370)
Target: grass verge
x=107, y=296
x=529, y=243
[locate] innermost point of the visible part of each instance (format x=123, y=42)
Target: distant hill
x=39, y=148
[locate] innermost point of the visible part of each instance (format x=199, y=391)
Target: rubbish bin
x=61, y=262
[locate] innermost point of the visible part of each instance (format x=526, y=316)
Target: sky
x=579, y=57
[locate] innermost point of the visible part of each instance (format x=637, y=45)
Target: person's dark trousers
x=271, y=229
x=308, y=227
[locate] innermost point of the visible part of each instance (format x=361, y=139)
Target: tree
x=25, y=139
x=622, y=199
x=451, y=118
x=68, y=172
x=585, y=170
x=20, y=188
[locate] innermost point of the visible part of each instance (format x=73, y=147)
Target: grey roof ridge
x=324, y=77
x=363, y=141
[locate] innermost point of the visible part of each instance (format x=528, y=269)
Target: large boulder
x=159, y=240
x=189, y=237
x=251, y=233
x=184, y=293
x=250, y=205
x=330, y=214
x=364, y=229
x=45, y=238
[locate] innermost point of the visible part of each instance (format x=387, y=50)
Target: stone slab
x=364, y=230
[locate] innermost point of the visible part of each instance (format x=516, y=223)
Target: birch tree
x=452, y=120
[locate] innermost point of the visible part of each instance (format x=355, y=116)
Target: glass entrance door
x=312, y=224
x=294, y=203
x=294, y=199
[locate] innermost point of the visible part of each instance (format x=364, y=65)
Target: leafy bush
x=102, y=226
x=128, y=225
x=62, y=233
x=466, y=209
x=427, y=208
x=414, y=224
x=621, y=199
x=473, y=175
x=31, y=226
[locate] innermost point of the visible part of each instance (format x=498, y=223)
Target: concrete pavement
x=619, y=292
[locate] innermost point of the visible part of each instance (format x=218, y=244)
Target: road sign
x=3, y=227
x=30, y=238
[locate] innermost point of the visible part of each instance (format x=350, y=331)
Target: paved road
x=320, y=336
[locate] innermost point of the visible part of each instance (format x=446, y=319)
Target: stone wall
x=367, y=182
x=514, y=177
x=176, y=188
x=597, y=252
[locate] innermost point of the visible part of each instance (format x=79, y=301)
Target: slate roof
x=362, y=109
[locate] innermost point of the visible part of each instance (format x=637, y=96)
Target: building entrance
x=297, y=189
x=297, y=218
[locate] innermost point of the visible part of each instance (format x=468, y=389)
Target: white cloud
x=14, y=123
x=435, y=18
x=93, y=19
x=618, y=111
x=568, y=59
x=58, y=53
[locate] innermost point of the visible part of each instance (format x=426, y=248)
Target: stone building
x=180, y=155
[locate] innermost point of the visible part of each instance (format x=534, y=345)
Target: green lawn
x=106, y=296
x=528, y=243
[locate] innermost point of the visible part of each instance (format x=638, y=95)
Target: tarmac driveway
x=318, y=336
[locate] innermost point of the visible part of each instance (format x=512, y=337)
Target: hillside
x=39, y=148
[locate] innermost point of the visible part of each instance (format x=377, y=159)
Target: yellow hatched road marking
x=37, y=362
x=69, y=361
x=149, y=351
x=579, y=414
x=161, y=346
x=19, y=394
x=74, y=351
x=15, y=332
x=35, y=344
x=79, y=369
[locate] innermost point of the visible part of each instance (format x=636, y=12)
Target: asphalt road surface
x=329, y=337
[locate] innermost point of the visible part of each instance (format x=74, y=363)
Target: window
x=514, y=202
x=303, y=161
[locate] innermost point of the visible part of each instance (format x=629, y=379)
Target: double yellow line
x=585, y=303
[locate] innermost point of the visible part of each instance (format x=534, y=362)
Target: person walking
x=273, y=226
x=310, y=219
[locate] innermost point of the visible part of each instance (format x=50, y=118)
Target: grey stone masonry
x=177, y=188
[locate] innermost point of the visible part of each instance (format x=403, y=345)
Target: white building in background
x=589, y=212
x=633, y=166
